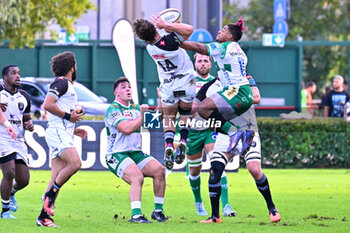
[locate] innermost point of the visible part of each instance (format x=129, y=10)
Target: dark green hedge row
x=316, y=143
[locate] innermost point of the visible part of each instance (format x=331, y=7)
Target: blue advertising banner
x=92, y=150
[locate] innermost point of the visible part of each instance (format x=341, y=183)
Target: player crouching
x=124, y=155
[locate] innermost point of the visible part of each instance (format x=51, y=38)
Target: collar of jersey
x=123, y=104
x=157, y=41
x=3, y=85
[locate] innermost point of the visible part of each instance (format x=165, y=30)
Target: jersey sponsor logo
x=5, y=94
x=162, y=43
x=113, y=162
x=238, y=105
x=20, y=106
x=213, y=46
x=168, y=101
x=235, y=53
x=115, y=114
x=159, y=56
x=177, y=76
x=15, y=122
x=127, y=113
x=230, y=93
x=180, y=93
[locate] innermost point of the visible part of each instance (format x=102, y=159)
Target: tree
x=22, y=21
x=313, y=20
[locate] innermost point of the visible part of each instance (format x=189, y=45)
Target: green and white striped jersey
x=201, y=81
x=230, y=62
x=116, y=140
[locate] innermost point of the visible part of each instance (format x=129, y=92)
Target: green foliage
x=22, y=21
x=313, y=20
x=316, y=143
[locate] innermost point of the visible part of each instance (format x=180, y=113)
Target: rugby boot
x=247, y=141
x=158, y=215
x=274, y=215
x=180, y=153
x=234, y=139
x=169, y=156
x=212, y=219
x=140, y=219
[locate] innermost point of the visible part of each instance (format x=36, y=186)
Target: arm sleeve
x=214, y=49
x=58, y=87
x=25, y=94
x=202, y=93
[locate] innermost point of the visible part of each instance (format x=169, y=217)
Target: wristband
x=66, y=116
x=6, y=124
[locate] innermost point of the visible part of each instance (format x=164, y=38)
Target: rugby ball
x=170, y=15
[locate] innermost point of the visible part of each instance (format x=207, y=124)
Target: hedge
x=316, y=143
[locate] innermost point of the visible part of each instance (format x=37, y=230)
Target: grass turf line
x=310, y=200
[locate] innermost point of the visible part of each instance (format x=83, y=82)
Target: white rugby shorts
x=185, y=93
x=58, y=140
x=19, y=147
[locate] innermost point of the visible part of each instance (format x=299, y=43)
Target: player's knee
x=9, y=173
x=218, y=163
x=195, y=166
x=195, y=171
x=77, y=165
x=160, y=172
x=23, y=182
x=137, y=179
x=255, y=170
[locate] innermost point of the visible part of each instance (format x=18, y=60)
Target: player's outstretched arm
x=128, y=127
x=184, y=30
x=195, y=47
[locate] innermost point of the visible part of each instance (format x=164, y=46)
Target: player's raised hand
x=80, y=133
x=28, y=125
x=144, y=108
x=12, y=132
x=75, y=116
x=159, y=22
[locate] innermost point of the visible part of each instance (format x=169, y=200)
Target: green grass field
x=308, y=201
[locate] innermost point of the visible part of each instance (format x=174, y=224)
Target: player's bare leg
x=155, y=170
x=22, y=176
x=133, y=176
x=254, y=167
x=8, y=174
x=73, y=163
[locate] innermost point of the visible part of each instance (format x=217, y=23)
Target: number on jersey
x=167, y=65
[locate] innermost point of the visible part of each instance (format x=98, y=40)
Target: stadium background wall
x=317, y=143
x=279, y=76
